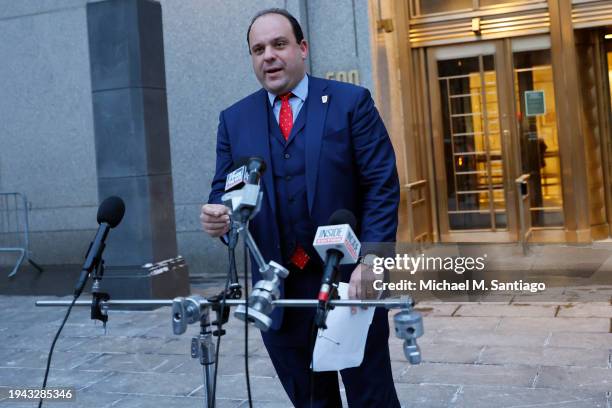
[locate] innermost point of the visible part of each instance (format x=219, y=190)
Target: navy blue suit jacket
x=350, y=163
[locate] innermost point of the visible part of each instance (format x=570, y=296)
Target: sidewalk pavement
x=502, y=354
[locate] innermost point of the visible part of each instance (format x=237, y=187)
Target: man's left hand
x=361, y=285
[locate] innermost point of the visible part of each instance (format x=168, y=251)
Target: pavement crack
x=480, y=353
x=87, y=360
x=116, y=402
x=404, y=372
x=198, y=388
x=456, y=394
x=455, y=311
x=535, y=379
x=499, y=322
x=104, y=377
x=550, y=404
x=160, y=365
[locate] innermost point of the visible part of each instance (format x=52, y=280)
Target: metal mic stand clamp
x=267, y=290
x=97, y=311
x=409, y=326
x=187, y=311
x=216, y=301
x=262, y=297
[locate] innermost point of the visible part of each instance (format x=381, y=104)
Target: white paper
x=342, y=344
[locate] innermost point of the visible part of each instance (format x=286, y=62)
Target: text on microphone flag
x=350, y=248
x=235, y=178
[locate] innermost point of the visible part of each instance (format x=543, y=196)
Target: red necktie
x=285, y=119
x=300, y=257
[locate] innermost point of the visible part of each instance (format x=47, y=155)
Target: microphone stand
x=233, y=237
x=202, y=346
x=331, y=284
x=324, y=306
x=195, y=308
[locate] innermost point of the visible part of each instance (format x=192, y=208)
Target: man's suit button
x=287, y=156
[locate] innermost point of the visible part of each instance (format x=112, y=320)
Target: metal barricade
x=522, y=187
x=15, y=229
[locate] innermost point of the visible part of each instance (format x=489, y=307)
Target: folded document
x=342, y=344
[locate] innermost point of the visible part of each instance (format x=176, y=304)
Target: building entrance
x=494, y=119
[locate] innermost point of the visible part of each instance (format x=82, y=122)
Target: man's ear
x=304, y=49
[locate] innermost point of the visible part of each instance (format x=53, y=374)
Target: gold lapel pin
x=324, y=99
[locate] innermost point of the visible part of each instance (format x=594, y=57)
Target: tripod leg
x=203, y=348
x=209, y=373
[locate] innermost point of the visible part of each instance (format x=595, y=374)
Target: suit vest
x=288, y=166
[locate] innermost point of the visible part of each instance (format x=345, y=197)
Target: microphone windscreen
x=111, y=211
x=343, y=216
x=256, y=163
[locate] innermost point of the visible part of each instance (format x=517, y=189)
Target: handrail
x=22, y=226
x=409, y=187
x=522, y=187
x=523, y=178
x=415, y=184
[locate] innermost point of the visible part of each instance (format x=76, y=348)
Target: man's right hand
x=215, y=219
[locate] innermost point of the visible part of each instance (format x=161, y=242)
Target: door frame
x=508, y=133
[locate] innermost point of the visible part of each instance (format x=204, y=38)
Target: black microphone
x=255, y=167
x=337, y=244
x=110, y=214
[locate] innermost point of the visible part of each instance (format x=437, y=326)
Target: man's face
x=278, y=60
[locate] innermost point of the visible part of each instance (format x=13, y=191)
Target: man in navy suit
x=326, y=148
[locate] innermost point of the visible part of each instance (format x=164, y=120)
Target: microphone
x=245, y=171
x=242, y=192
x=337, y=244
x=245, y=202
x=255, y=167
x=110, y=214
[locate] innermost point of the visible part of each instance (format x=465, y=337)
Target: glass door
x=470, y=156
x=537, y=129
